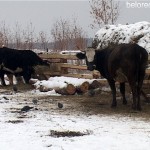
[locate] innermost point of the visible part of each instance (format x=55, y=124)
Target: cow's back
x=13, y=58
x=127, y=59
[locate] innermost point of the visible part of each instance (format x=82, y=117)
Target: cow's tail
x=141, y=63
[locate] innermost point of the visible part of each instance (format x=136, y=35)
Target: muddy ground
x=87, y=104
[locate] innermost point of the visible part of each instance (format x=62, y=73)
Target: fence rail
x=70, y=66
x=62, y=63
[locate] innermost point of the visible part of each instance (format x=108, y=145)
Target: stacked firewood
x=71, y=89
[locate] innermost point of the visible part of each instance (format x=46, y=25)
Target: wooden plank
x=85, y=76
x=63, y=65
x=61, y=56
x=146, y=82
x=148, y=71
x=57, y=56
x=49, y=73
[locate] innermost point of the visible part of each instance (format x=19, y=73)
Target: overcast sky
x=44, y=13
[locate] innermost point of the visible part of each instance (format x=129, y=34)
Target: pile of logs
x=70, y=89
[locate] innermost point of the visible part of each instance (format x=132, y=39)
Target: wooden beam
x=85, y=76
x=49, y=73
x=146, y=82
x=57, y=56
x=148, y=71
x=64, y=65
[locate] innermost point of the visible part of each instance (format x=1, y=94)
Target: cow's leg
x=122, y=91
x=10, y=77
x=3, y=82
x=145, y=96
x=139, y=89
x=138, y=107
x=27, y=74
x=113, y=89
x=19, y=79
x=2, y=79
x=27, y=77
x=133, y=86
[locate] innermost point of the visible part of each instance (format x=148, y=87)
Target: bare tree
x=22, y=38
x=5, y=34
x=104, y=12
x=43, y=40
x=60, y=33
x=78, y=35
x=29, y=36
x=67, y=35
x=17, y=37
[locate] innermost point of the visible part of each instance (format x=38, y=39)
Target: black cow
x=26, y=74
x=19, y=63
x=122, y=63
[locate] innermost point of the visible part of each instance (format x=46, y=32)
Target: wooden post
x=63, y=70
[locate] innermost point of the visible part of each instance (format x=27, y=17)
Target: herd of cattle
x=122, y=63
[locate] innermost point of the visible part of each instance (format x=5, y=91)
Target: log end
x=70, y=89
x=84, y=87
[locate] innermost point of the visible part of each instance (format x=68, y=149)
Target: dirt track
x=75, y=104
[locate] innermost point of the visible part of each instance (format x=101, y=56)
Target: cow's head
x=89, y=56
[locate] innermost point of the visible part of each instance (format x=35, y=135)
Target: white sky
x=44, y=13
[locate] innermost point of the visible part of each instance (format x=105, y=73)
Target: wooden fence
x=68, y=65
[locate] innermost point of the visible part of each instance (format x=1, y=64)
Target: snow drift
x=133, y=33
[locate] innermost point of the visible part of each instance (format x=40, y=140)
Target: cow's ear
x=80, y=55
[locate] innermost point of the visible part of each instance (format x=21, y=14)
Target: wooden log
x=94, y=85
x=44, y=89
x=68, y=90
x=84, y=87
x=33, y=81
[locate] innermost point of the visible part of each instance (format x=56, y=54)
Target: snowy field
x=34, y=129
x=75, y=126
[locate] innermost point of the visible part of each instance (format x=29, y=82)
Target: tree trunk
x=94, y=85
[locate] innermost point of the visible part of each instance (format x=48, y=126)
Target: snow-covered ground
x=138, y=32
x=32, y=129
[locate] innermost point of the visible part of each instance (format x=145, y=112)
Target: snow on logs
x=67, y=86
